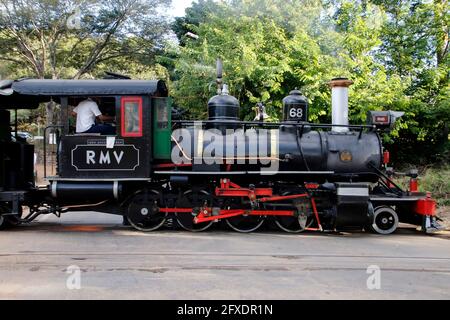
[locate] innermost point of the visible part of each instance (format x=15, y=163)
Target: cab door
x=136, y=134
x=162, y=128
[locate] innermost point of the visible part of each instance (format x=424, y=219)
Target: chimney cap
x=295, y=92
x=340, y=82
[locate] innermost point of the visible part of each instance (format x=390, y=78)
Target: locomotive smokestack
x=219, y=81
x=339, y=103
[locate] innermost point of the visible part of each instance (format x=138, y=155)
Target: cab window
x=162, y=115
x=131, y=112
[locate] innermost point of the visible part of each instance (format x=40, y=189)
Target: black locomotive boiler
x=157, y=169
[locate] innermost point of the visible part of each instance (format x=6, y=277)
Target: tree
x=265, y=58
x=54, y=38
x=195, y=15
x=252, y=67
x=415, y=41
x=395, y=51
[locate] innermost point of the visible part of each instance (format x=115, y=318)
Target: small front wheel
x=385, y=220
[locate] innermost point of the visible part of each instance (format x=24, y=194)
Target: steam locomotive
x=159, y=170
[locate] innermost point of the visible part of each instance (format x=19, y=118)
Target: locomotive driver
x=86, y=112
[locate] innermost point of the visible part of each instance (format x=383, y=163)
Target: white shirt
x=86, y=111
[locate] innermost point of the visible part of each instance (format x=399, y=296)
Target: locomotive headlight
x=383, y=120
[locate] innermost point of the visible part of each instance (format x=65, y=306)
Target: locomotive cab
x=92, y=166
x=94, y=155
x=141, y=115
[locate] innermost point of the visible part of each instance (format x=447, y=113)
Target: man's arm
x=96, y=110
x=74, y=112
x=104, y=118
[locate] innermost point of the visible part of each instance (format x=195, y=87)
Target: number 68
x=296, y=113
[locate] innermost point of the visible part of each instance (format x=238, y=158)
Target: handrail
x=274, y=124
x=45, y=146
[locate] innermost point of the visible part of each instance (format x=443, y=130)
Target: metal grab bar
x=45, y=145
x=272, y=124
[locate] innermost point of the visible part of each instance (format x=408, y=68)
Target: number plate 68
x=296, y=113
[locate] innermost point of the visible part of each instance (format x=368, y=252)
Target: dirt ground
x=444, y=214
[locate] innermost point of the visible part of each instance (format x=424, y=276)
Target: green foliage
x=435, y=180
x=196, y=14
x=265, y=58
x=395, y=51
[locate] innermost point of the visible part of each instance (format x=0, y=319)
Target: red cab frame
x=137, y=100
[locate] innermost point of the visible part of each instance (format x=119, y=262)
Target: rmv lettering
x=103, y=158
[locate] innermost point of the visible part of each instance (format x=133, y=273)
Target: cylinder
x=88, y=191
x=339, y=103
x=179, y=180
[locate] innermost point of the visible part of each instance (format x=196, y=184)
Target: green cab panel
x=162, y=128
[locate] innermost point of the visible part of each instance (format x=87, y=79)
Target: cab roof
x=28, y=93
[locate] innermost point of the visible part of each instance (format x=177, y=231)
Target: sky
x=178, y=7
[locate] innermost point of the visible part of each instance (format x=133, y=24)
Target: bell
x=261, y=114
